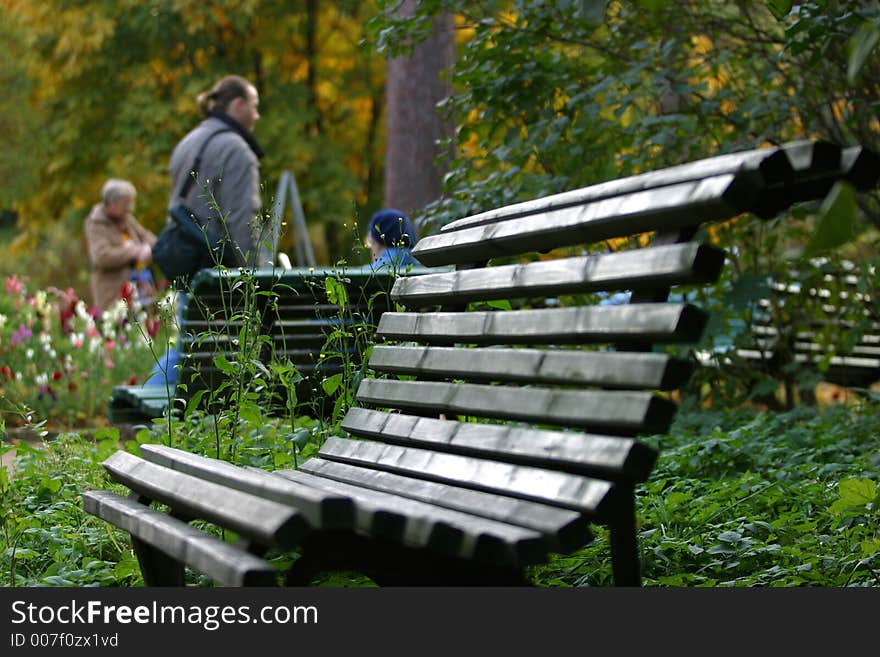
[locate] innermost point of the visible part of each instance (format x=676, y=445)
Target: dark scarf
x=236, y=126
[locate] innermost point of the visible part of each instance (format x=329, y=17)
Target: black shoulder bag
x=184, y=246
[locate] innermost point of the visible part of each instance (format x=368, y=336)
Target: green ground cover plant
x=738, y=498
x=744, y=498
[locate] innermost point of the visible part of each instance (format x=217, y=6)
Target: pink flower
x=110, y=345
x=13, y=285
x=21, y=334
x=93, y=332
x=108, y=363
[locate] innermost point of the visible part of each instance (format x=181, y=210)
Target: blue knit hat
x=392, y=228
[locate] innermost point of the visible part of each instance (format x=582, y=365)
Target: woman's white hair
x=115, y=189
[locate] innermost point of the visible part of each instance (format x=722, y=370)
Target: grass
x=737, y=498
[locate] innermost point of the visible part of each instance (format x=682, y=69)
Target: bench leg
x=390, y=564
x=624, y=544
x=157, y=568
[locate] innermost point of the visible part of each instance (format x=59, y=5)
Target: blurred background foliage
x=546, y=97
x=106, y=88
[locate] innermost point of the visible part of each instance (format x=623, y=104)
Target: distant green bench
x=488, y=435
x=819, y=323
x=289, y=308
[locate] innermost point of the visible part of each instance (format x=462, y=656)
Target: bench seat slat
x=564, y=529
x=265, y=521
x=225, y=563
x=668, y=208
x=660, y=266
x=321, y=510
x=613, y=369
x=606, y=457
x=633, y=323
x=453, y=533
x=582, y=494
x=618, y=412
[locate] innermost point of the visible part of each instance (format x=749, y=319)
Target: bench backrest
x=817, y=320
x=318, y=320
x=542, y=400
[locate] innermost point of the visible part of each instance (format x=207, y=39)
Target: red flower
x=152, y=326
x=6, y=372
x=71, y=386
x=57, y=375
x=132, y=380
x=127, y=291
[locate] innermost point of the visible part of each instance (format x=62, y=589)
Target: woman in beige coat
x=118, y=245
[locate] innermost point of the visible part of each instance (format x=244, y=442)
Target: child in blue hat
x=390, y=238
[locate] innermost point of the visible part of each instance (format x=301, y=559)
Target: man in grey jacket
x=225, y=193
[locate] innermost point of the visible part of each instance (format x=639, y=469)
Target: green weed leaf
x=779, y=8
x=222, y=364
x=837, y=220
x=861, y=46
x=858, y=491
x=331, y=383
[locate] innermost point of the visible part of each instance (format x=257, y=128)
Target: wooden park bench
x=821, y=324
x=294, y=310
x=495, y=429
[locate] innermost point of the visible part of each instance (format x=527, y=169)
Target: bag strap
x=194, y=171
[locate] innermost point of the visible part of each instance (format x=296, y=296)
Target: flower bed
x=59, y=359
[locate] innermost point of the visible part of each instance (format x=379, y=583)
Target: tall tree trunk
x=415, y=86
x=315, y=126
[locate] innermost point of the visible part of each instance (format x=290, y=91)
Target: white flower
x=82, y=312
x=42, y=379
x=29, y=354
x=2, y=321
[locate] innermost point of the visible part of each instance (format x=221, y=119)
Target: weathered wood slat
x=611, y=369
x=862, y=167
x=564, y=529
x=607, y=457
x=305, y=356
x=770, y=162
x=221, y=561
x=265, y=521
x=449, y=532
x=817, y=166
x=568, y=491
x=866, y=339
x=617, y=412
x=817, y=348
x=321, y=510
x=648, y=267
x=668, y=208
x=634, y=323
